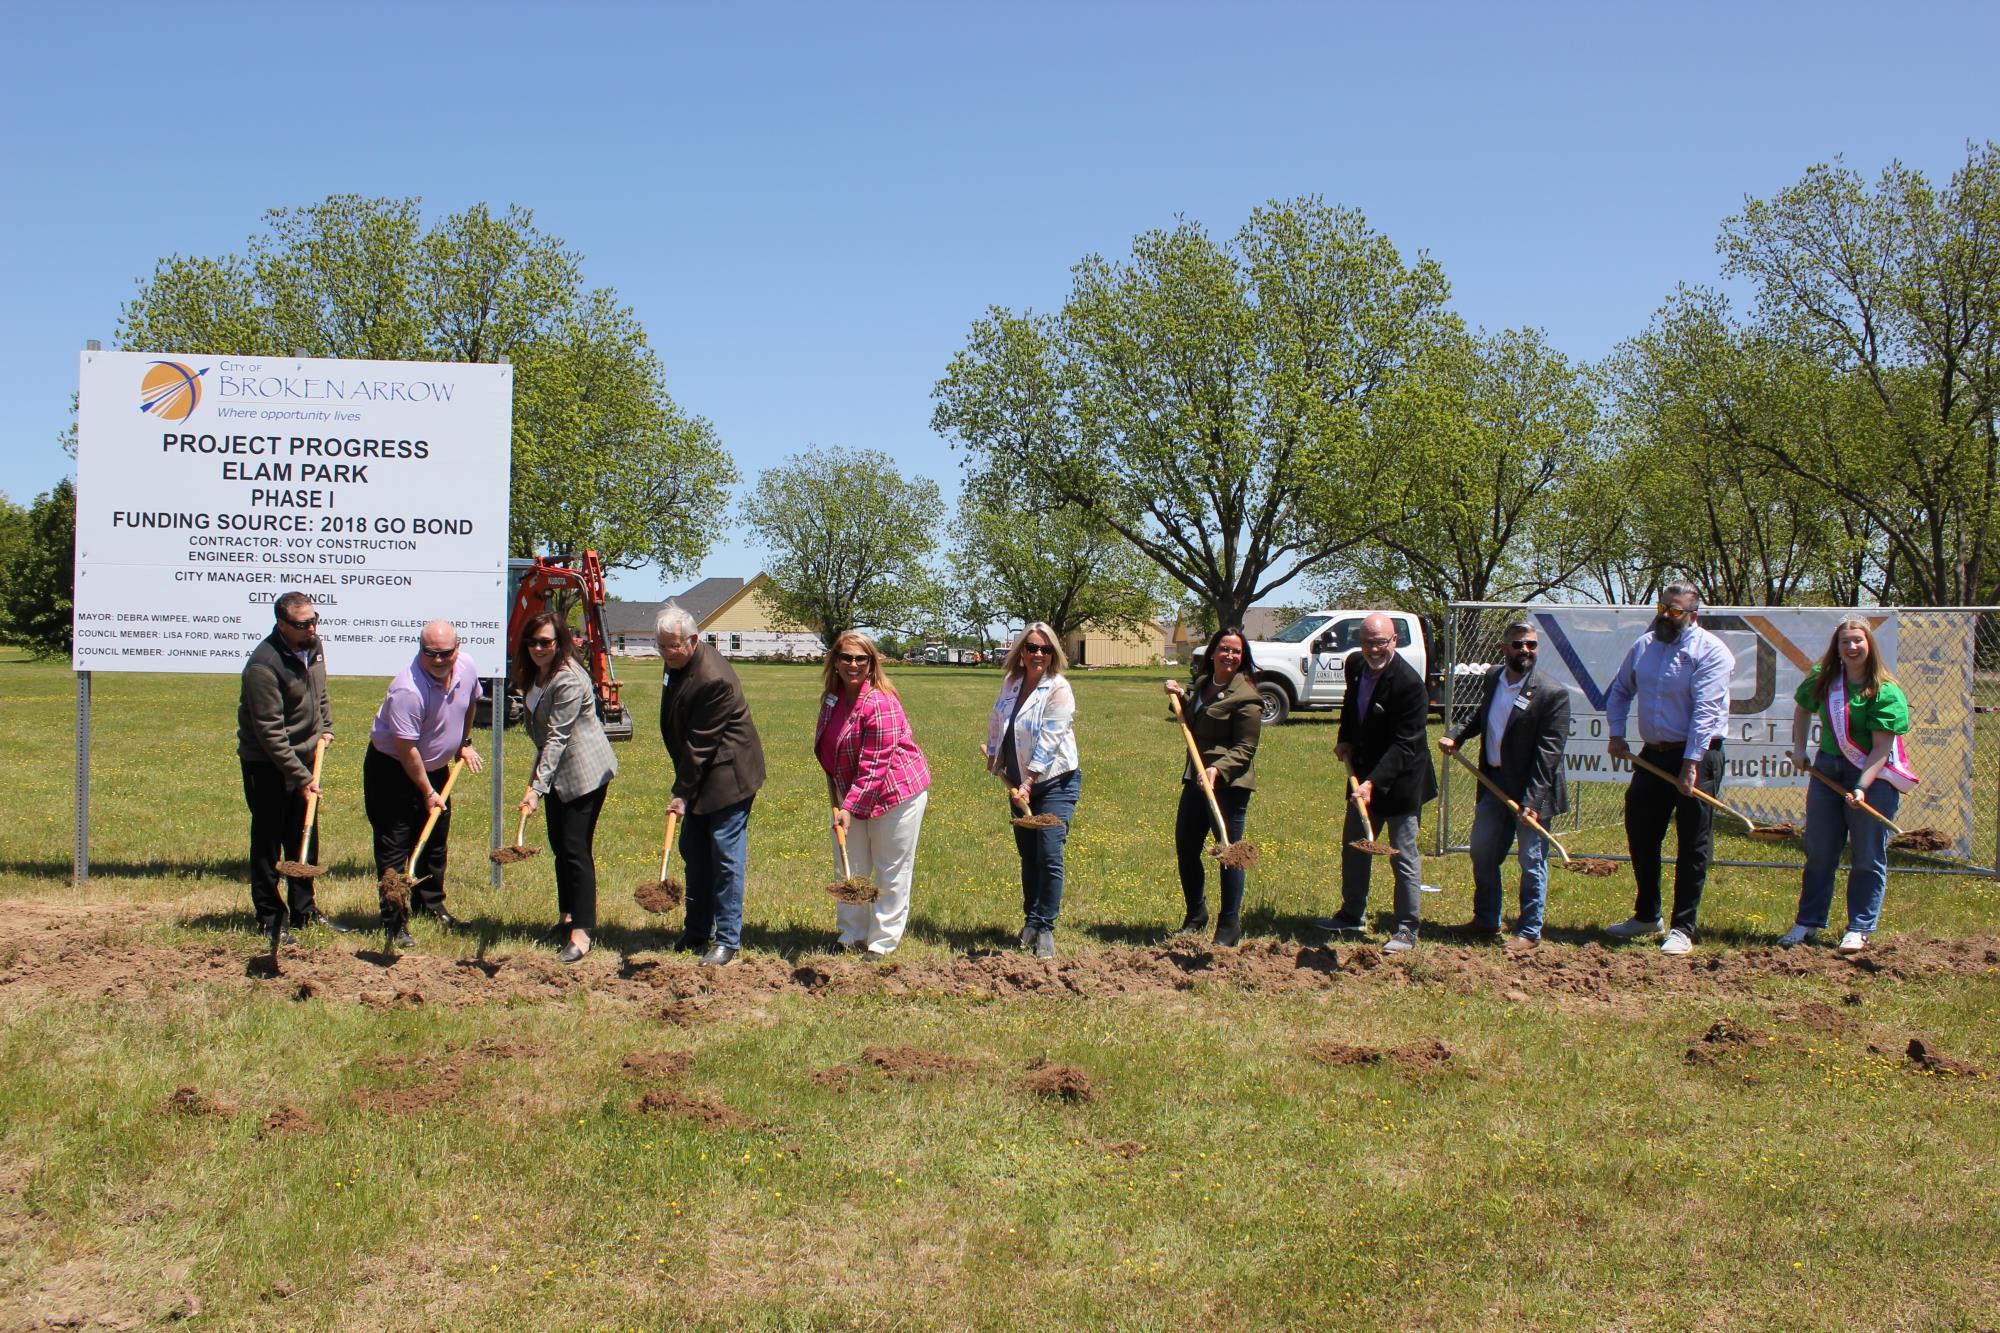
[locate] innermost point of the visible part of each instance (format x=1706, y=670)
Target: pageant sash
x=1896, y=772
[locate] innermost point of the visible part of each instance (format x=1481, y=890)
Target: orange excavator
x=551, y=582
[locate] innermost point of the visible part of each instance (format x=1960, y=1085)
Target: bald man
x=424, y=723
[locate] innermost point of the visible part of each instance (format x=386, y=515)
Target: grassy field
x=471, y=1136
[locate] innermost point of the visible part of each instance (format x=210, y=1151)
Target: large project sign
x=207, y=485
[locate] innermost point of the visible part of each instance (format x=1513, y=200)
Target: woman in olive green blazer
x=1226, y=715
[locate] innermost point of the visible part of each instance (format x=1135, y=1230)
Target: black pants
x=396, y=811
x=277, y=813
x=1651, y=805
x=1194, y=825
x=572, y=826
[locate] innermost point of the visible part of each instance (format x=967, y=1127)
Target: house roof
x=704, y=599
x=1264, y=622
x=630, y=618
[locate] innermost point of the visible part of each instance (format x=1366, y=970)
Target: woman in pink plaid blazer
x=879, y=785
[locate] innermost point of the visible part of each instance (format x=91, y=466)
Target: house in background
x=731, y=614
x=1095, y=647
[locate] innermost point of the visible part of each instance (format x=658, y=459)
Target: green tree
x=1209, y=402
x=1059, y=565
x=1896, y=290
x=602, y=456
x=38, y=596
x=1506, y=474
x=850, y=540
x=14, y=530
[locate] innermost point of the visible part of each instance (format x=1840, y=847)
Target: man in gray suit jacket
x=282, y=710
x=718, y=767
x=1523, y=722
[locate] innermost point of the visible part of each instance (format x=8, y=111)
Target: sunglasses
x=1040, y=649
x=1675, y=612
x=853, y=659
x=304, y=624
x=549, y=642
x=440, y=654
x=1529, y=644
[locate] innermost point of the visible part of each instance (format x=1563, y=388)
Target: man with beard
x=282, y=710
x=1679, y=673
x=1383, y=719
x=1523, y=722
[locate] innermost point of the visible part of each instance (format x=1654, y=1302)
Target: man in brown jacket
x=718, y=767
x=282, y=712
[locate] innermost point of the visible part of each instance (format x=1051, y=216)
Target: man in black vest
x=1522, y=718
x=1384, y=718
x=281, y=712
x=718, y=767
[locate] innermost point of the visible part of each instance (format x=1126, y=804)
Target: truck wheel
x=1277, y=703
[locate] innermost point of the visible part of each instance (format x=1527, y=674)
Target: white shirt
x=534, y=697
x=1505, y=693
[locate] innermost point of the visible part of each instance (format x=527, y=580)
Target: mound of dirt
x=440, y=1077
x=1057, y=1082
x=657, y=1064
x=189, y=1101
x=703, y=1110
x=286, y=1119
x=1723, y=1032
x=1340, y=1053
x=912, y=1063
x=835, y=1077
x=1926, y=1056
x=1428, y=1053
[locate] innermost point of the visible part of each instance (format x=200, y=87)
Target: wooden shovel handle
x=1354, y=793
x=1520, y=812
x=521, y=832
x=1665, y=776
x=667, y=848
x=1200, y=772
x=450, y=779
x=1878, y=816
x=840, y=836
x=312, y=799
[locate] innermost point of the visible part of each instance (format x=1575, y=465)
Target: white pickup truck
x=1304, y=667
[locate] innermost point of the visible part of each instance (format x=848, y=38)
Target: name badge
x=1521, y=704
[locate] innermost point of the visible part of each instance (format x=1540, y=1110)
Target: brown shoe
x=1523, y=944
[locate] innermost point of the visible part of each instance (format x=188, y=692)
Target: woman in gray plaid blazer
x=573, y=769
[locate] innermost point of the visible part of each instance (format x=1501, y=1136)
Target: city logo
x=170, y=390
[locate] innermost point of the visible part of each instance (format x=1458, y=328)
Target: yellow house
x=1095, y=647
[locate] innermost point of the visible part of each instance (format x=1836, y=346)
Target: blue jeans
x=1494, y=830
x=1831, y=823
x=1042, y=848
x=716, y=847
x=1194, y=825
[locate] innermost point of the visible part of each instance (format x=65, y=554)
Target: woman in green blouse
x=1863, y=715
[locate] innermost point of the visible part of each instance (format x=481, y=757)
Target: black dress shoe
x=720, y=956
x=444, y=918
x=319, y=918
x=688, y=943
x=402, y=938
x=571, y=954
x=1194, y=923
x=1228, y=933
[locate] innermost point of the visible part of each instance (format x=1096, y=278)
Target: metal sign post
x=79, y=870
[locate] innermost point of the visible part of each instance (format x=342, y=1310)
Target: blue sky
x=807, y=205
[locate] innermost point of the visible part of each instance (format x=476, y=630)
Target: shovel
x=850, y=887
x=300, y=869
x=396, y=884
x=1229, y=855
x=661, y=896
x=1904, y=840
x=1762, y=833
x=1367, y=844
x=507, y=856
x=1026, y=820
x=1595, y=866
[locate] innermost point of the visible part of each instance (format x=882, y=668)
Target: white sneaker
x=1794, y=937
x=1853, y=942
x=1634, y=929
x=1677, y=942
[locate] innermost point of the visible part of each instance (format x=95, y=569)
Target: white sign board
x=208, y=485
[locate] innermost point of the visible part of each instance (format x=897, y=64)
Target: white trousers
x=884, y=848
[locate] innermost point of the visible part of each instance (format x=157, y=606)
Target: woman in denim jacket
x=1031, y=746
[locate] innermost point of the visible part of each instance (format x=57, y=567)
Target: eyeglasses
x=1376, y=643
x=1037, y=648
x=304, y=624
x=853, y=659
x=549, y=642
x=1675, y=612
x=440, y=654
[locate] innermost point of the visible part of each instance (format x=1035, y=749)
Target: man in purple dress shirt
x=424, y=723
x=1679, y=673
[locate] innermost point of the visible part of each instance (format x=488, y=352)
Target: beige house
x=1094, y=647
x=731, y=614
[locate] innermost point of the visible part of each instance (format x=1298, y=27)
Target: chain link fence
x=1947, y=660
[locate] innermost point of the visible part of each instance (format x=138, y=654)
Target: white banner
x=1775, y=647
x=208, y=485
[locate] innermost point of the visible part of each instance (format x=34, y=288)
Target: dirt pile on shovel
x=659, y=896
x=1596, y=867
x=854, y=889
x=1921, y=840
